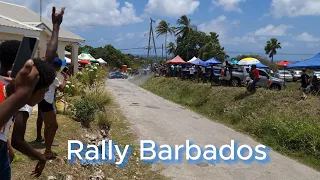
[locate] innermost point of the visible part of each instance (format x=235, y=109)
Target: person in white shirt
x=47, y=108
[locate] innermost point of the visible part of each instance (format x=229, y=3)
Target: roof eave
x=20, y=31
x=72, y=40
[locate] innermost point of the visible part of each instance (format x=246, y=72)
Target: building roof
x=5, y=21
x=25, y=15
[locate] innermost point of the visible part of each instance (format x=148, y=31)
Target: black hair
x=8, y=52
x=46, y=74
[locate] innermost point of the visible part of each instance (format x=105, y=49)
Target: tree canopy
x=114, y=56
x=271, y=47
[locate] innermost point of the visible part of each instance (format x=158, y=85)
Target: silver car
x=284, y=75
x=296, y=74
x=316, y=73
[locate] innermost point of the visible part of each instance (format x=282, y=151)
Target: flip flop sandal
x=55, y=144
x=39, y=140
x=53, y=156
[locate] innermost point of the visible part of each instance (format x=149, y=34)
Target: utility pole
x=154, y=43
x=162, y=51
x=40, y=10
x=149, y=39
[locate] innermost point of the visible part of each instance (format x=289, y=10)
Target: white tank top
x=4, y=131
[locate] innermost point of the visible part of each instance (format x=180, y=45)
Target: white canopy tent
x=68, y=61
x=101, y=61
x=193, y=59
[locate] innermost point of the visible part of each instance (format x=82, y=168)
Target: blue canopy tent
x=262, y=66
x=213, y=61
x=205, y=64
x=312, y=63
x=234, y=61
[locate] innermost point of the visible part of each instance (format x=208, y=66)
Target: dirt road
x=164, y=122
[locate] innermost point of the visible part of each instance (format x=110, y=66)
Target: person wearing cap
x=47, y=108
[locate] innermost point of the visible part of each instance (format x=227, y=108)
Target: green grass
x=69, y=129
x=276, y=118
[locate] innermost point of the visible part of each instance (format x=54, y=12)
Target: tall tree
x=163, y=29
x=171, y=48
x=185, y=26
x=271, y=47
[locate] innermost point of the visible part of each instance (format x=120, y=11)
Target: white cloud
x=122, y=37
x=294, y=8
x=272, y=30
x=229, y=5
x=85, y=13
x=241, y=40
x=172, y=8
x=307, y=37
x=287, y=44
x=313, y=45
x=221, y=26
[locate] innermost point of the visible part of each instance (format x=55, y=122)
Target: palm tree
x=171, y=48
x=164, y=28
x=271, y=47
x=185, y=26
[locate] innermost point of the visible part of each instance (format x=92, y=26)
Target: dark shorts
x=44, y=106
x=5, y=169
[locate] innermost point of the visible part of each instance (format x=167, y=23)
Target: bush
x=92, y=75
x=98, y=97
x=84, y=111
x=103, y=120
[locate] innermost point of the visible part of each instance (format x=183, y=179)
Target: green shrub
x=104, y=120
x=84, y=111
x=98, y=97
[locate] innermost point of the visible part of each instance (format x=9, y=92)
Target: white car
x=284, y=75
x=316, y=73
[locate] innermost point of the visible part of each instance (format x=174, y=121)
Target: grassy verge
x=276, y=118
x=69, y=129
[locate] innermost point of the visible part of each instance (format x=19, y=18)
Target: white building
x=17, y=21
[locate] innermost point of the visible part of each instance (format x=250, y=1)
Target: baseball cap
x=57, y=62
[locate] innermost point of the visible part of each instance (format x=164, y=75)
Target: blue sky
x=243, y=25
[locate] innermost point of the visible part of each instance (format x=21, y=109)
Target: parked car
x=296, y=74
x=117, y=75
x=284, y=75
x=240, y=75
x=316, y=73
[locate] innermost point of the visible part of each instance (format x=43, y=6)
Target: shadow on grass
x=37, y=145
x=242, y=96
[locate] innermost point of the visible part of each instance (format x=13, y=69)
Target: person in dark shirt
x=305, y=81
x=256, y=76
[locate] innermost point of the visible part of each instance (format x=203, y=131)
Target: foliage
x=98, y=97
x=263, y=60
x=84, y=111
x=104, y=120
x=163, y=29
x=114, y=57
x=192, y=44
x=91, y=75
x=271, y=47
x=273, y=117
x=185, y=26
x=171, y=48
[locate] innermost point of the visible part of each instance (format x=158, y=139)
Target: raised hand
x=57, y=18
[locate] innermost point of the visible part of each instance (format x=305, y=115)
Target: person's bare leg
x=39, y=126
x=50, y=120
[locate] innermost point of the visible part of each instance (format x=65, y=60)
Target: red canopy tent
x=284, y=63
x=177, y=60
x=84, y=62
